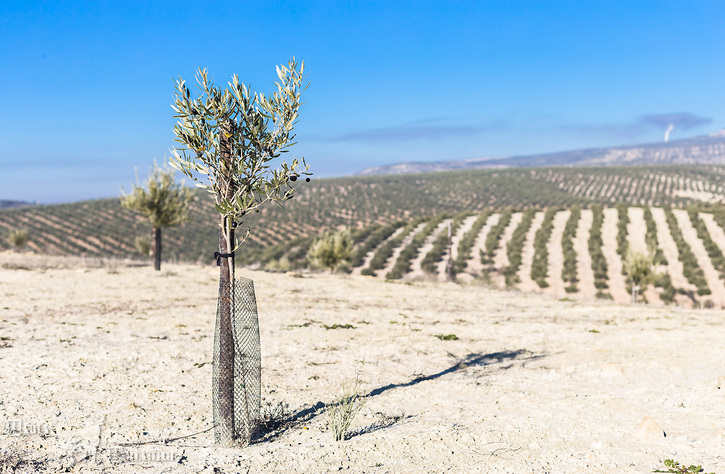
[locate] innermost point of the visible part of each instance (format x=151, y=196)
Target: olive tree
x=331, y=250
x=229, y=138
x=640, y=269
x=18, y=238
x=163, y=201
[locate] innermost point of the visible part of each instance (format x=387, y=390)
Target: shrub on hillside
x=18, y=238
x=331, y=250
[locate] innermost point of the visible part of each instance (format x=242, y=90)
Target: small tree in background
x=164, y=201
x=331, y=250
x=18, y=238
x=142, y=244
x=640, y=270
x=229, y=139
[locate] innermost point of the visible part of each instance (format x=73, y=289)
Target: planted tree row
x=651, y=237
x=494, y=236
x=440, y=244
x=403, y=263
x=690, y=268
x=385, y=251
x=515, y=247
x=103, y=228
x=599, y=262
x=663, y=279
x=654, y=185
x=622, y=222
x=568, y=272
x=377, y=235
x=466, y=243
x=713, y=250
x=540, y=263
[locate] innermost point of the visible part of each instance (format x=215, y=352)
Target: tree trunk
x=225, y=381
x=225, y=388
x=156, y=247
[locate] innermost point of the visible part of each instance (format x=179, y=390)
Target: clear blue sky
x=86, y=87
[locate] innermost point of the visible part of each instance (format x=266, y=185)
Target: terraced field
x=561, y=231
x=531, y=252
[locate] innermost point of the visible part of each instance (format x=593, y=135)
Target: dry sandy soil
x=532, y=384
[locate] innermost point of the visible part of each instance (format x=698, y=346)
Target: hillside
x=6, y=204
x=698, y=150
x=555, y=230
x=103, y=228
x=575, y=252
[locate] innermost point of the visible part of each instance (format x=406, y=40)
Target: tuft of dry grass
x=342, y=412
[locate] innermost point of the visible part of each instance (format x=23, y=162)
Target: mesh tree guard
x=237, y=372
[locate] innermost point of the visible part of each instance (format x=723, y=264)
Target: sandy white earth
x=532, y=384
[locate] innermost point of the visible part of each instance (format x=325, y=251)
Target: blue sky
x=87, y=86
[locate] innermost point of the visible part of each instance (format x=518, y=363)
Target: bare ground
x=584, y=271
x=556, y=255
x=616, y=282
x=532, y=384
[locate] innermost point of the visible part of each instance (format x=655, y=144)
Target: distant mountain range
x=4, y=204
x=697, y=150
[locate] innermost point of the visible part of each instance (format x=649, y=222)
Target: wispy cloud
x=638, y=128
x=683, y=120
x=628, y=131
x=430, y=129
x=440, y=129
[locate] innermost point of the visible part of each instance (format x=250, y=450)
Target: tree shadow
x=288, y=421
x=384, y=421
x=479, y=360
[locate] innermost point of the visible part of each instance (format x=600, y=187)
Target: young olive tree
x=640, y=269
x=164, y=201
x=18, y=238
x=331, y=250
x=229, y=138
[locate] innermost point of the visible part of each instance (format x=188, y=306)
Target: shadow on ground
x=496, y=359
